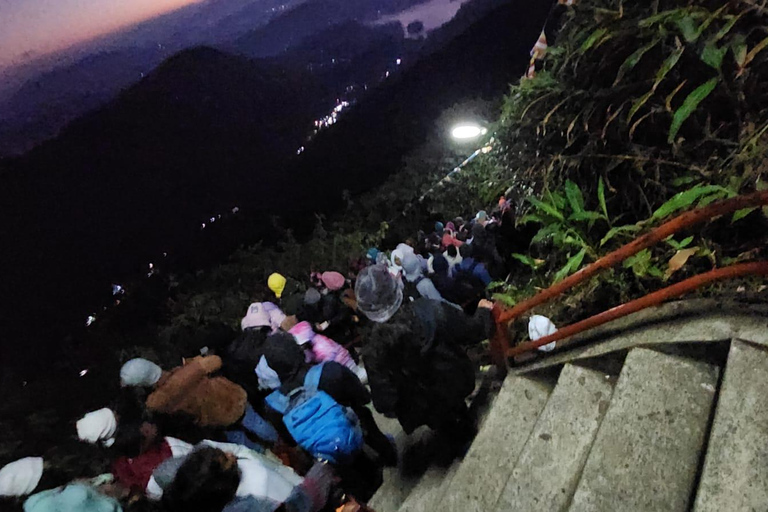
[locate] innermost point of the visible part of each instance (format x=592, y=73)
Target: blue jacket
x=478, y=270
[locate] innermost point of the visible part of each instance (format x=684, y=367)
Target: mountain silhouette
x=202, y=132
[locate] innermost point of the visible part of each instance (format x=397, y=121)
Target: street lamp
x=467, y=131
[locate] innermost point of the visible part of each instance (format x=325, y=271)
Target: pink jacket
x=324, y=348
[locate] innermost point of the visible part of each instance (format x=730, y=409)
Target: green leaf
x=638, y=104
x=593, y=38
x=575, y=198
x=601, y=196
x=679, y=245
x=684, y=200
x=556, y=199
x=713, y=56
x=754, y=51
x=504, y=299
x=527, y=260
x=737, y=216
x=632, y=61
x=546, y=208
x=727, y=27
x=545, y=232
x=739, y=49
x=689, y=106
x=640, y=263
x=585, y=215
x=688, y=28
x=684, y=180
x=571, y=266
x=531, y=217
x=663, y=71
x=617, y=231
x=667, y=66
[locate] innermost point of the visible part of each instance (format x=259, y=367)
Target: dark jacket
x=417, y=364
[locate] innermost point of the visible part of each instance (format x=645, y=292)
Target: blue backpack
x=327, y=430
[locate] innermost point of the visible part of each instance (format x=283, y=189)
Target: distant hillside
x=45, y=104
x=201, y=133
x=369, y=142
x=350, y=53
x=309, y=19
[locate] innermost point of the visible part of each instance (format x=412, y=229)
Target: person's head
x=205, y=482
x=134, y=438
x=333, y=280
x=378, y=293
x=452, y=251
x=440, y=265
x=97, y=427
x=411, y=267
x=465, y=251
x=276, y=283
x=284, y=356
x=481, y=216
x=439, y=227
x=140, y=372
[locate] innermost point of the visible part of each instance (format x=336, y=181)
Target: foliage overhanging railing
x=500, y=346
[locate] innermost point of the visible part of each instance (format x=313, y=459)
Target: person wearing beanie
x=139, y=372
x=286, y=358
x=74, y=497
x=416, y=360
x=322, y=349
x=20, y=478
x=212, y=401
x=97, y=427
x=333, y=281
x=378, y=293
x=276, y=282
x=417, y=284
x=262, y=314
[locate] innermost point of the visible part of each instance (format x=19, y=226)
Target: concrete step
x=550, y=465
x=399, y=481
x=646, y=454
x=428, y=492
x=735, y=475
x=480, y=478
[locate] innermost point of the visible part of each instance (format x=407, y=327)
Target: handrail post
x=499, y=342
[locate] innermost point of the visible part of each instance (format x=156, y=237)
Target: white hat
x=540, y=326
x=257, y=316
x=98, y=426
x=140, y=372
x=20, y=478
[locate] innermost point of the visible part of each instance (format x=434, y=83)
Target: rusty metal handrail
x=652, y=299
x=500, y=343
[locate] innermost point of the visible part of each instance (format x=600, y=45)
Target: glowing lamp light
x=467, y=131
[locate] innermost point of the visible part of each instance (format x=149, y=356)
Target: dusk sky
x=41, y=26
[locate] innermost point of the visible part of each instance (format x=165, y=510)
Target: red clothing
x=134, y=473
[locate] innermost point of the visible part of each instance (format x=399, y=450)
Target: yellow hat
x=276, y=283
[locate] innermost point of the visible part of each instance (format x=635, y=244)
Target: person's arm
x=427, y=290
x=383, y=388
x=343, y=385
x=181, y=382
x=312, y=494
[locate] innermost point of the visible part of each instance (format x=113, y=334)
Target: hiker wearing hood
x=286, y=358
x=192, y=389
x=416, y=359
x=417, y=284
x=288, y=291
x=322, y=349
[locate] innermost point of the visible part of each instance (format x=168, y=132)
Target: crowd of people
x=280, y=417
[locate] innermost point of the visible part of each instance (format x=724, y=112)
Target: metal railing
x=500, y=346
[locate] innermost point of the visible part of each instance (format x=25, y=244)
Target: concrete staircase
x=665, y=428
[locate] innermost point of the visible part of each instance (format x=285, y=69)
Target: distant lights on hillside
x=399, y=61
x=89, y=321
